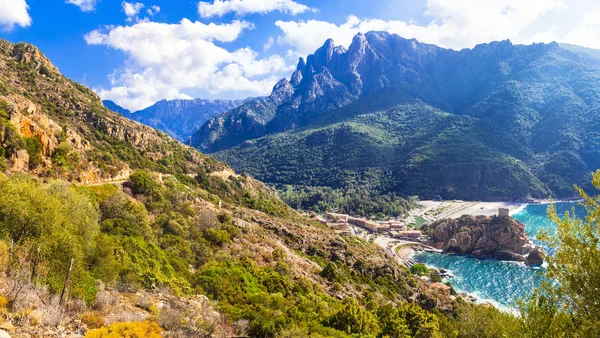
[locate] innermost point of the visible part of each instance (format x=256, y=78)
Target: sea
x=501, y=283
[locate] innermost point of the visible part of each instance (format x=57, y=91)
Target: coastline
x=456, y=209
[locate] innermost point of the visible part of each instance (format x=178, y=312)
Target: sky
x=139, y=52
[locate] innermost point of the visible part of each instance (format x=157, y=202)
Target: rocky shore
x=483, y=237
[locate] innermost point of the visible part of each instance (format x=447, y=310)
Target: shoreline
x=456, y=209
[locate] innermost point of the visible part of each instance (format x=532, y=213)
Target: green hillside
x=411, y=149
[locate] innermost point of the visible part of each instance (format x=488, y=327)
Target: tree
x=353, y=318
x=392, y=324
x=569, y=302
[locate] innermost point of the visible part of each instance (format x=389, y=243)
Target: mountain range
x=496, y=122
x=178, y=118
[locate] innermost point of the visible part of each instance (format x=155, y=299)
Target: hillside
x=496, y=122
x=176, y=242
x=178, y=118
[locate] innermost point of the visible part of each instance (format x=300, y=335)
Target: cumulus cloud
x=14, y=12
x=165, y=60
x=455, y=24
x=84, y=5
x=132, y=9
x=243, y=7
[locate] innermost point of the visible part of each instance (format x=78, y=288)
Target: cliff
x=501, y=238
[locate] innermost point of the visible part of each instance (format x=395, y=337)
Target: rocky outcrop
x=535, y=257
x=501, y=238
x=20, y=161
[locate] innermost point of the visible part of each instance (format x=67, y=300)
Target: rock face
x=535, y=257
x=501, y=238
x=20, y=161
x=178, y=118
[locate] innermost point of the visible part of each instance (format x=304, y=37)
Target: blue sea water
x=500, y=282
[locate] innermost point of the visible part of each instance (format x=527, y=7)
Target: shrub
x=34, y=149
x=93, y=319
x=353, y=318
x=142, y=182
x=419, y=269
x=145, y=329
x=217, y=237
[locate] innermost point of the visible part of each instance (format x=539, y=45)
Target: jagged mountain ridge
x=517, y=93
x=178, y=118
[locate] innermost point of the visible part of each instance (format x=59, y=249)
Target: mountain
x=110, y=226
x=116, y=108
x=499, y=121
x=178, y=118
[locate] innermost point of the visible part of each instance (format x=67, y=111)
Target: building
x=364, y=223
x=335, y=217
x=502, y=212
x=409, y=234
x=395, y=225
x=383, y=227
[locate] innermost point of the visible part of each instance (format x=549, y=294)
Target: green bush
x=353, y=318
x=34, y=149
x=419, y=269
x=217, y=236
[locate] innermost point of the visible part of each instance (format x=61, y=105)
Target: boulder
x=20, y=161
x=535, y=257
x=7, y=326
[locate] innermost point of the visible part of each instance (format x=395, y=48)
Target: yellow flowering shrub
x=145, y=329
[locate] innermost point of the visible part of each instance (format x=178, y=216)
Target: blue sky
x=138, y=52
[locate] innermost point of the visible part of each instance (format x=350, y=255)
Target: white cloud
x=84, y=5
x=455, y=24
x=14, y=12
x=153, y=10
x=269, y=44
x=132, y=9
x=243, y=7
x=165, y=60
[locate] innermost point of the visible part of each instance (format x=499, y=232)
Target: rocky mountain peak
x=301, y=63
x=27, y=53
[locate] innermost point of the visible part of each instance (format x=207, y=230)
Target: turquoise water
x=500, y=282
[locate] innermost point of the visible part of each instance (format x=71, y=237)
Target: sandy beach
x=455, y=209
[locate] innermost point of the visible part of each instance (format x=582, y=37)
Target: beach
x=455, y=209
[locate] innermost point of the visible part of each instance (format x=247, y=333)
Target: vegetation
x=354, y=201
x=419, y=269
x=127, y=330
x=569, y=306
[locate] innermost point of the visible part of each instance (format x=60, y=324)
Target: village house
x=408, y=234
x=364, y=223
x=395, y=225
